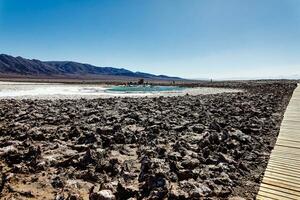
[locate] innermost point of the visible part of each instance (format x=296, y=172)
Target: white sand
x=25, y=90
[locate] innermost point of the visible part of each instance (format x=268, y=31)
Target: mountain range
x=21, y=67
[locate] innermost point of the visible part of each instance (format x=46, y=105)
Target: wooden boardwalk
x=282, y=176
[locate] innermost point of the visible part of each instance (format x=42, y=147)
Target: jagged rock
x=57, y=182
x=240, y=136
x=214, y=138
x=75, y=132
x=126, y=192
x=195, y=189
x=189, y=147
x=236, y=198
x=190, y=163
x=184, y=174
x=102, y=195
x=107, y=130
x=198, y=128
x=175, y=156
x=74, y=197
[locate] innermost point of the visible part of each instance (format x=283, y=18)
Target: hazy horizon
x=199, y=39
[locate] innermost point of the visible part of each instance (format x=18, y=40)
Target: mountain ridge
x=19, y=66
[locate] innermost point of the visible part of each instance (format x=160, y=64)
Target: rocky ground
x=191, y=147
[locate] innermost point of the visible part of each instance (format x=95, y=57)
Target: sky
x=186, y=38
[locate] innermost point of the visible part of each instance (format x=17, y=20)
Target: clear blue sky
x=187, y=38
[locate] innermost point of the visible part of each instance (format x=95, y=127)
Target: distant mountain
x=18, y=66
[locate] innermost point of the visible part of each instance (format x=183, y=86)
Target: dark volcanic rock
x=191, y=147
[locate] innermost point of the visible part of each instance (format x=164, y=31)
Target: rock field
x=189, y=147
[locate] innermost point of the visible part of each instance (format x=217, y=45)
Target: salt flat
x=28, y=90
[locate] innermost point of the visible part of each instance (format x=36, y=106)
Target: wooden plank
x=282, y=176
x=284, y=166
x=289, y=139
x=288, y=151
x=291, y=126
x=265, y=197
x=292, y=120
x=262, y=197
x=288, y=161
x=282, y=189
x=288, y=144
x=289, y=174
x=283, y=170
x=288, y=134
x=279, y=150
x=288, y=158
x=285, y=151
x=278, y=194
x=282, y=148
x=287, y=121
x=283, y=180
x=282, y=163
x=294, y=147
x=289, y=130
x=280, y=183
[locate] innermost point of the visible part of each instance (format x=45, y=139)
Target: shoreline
x=27, y=90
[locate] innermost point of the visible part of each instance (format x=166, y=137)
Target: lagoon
x=28, y=90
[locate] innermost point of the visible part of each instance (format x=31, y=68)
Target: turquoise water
x=138, y=88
